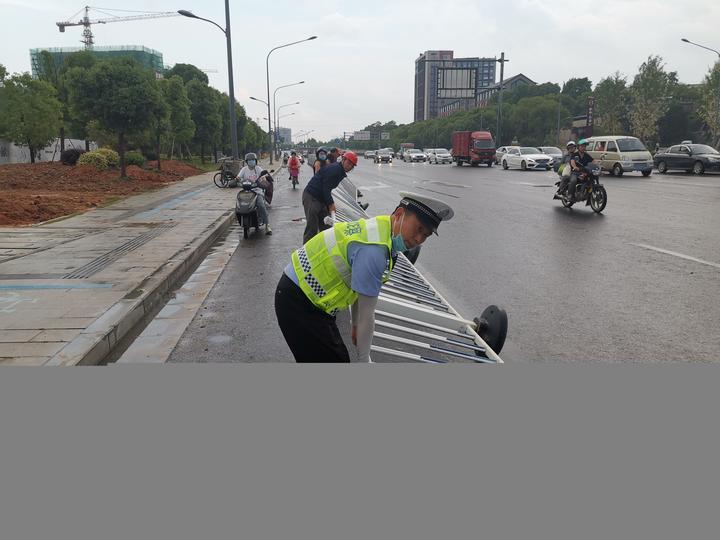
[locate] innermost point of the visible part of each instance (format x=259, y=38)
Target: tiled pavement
x=72, y=288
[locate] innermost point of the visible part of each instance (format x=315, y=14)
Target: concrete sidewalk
x=70, y=290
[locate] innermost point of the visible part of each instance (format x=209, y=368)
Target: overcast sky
x=361, y=67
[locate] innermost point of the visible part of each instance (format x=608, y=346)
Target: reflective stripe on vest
x=322, y=265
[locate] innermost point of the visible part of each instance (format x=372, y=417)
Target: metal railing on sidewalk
x=413, y=321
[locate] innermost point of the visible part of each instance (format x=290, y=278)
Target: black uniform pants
x=315, y=213
x=311, y=334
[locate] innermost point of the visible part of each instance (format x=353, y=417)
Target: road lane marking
x=378, y=185
x=448, y=184
x=676, y=254
x=439, y=192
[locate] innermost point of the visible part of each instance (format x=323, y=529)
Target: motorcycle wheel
x=598, y=199
x=246, y=231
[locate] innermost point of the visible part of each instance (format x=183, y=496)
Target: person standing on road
x=251, y=172
x=317, y=196
x=321, y=159
x=346, y=266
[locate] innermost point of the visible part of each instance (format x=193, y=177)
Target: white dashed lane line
x=679, y=255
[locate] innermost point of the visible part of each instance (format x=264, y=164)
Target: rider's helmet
x=583, y=142
x=322, y=150
x=570, y=143
x=250, y=156
x=351, y=157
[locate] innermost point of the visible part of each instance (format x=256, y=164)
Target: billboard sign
x=456, y=83
x=361, y=135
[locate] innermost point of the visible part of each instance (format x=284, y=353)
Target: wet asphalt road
x=638, y=283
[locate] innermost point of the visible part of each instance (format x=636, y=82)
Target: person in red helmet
x=317, y=197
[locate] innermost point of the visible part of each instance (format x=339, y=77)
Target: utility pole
x=501, y=61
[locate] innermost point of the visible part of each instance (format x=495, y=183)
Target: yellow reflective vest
x=322, y=265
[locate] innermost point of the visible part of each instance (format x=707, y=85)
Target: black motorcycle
x=588, y=189
x=246, y=210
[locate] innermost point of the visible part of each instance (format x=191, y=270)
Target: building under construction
x=146, y=57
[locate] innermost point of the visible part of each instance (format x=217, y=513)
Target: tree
x=682, y=120
x=611, y=102
x=187, y=72
x=650, y=93
x=710, y=102
x=160, y=123
x=120, y=94
x=534, y=120
x=3, y=73
x=205, y=113
x=30, y=112
x=181, y=127
x=577, y=87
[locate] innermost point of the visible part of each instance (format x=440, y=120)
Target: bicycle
x=224, y=177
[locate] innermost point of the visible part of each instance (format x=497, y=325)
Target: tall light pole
x=718, y=94
x=267, y=73
x=277, y=112
x=274, y=102
x=501, y=61
x=226, y=31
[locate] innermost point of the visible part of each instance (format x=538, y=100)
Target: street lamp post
x=226, y=31
x=274, y=102
x=501, y=61
x=277, y=111
x=267, y=74
x=718, y=94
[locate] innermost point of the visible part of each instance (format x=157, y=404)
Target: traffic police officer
x=345, y=266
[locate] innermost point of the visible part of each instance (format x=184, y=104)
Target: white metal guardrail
x=413, y=321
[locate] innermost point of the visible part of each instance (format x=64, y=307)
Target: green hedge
x=134, y=158
x=95, y=158
x=112, y=157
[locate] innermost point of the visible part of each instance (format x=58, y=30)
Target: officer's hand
x=353, y=333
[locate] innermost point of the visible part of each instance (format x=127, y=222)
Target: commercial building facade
x=441, y=79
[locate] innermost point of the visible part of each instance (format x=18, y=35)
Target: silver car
x=413, y=154
x=439, y=155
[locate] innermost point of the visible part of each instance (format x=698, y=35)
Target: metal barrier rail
x=412, y=320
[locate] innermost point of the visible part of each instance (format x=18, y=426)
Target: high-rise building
x=284, y=135
x=441, y=79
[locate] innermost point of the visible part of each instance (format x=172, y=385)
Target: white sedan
x=527, y=158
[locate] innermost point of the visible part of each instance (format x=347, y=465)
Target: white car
x=438, y=155
x=526, y=158
x=413, y=154
x=500, y=152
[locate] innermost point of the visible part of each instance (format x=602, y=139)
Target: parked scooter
x=246, y=210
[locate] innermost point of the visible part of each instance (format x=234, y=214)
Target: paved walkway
x=71, y=289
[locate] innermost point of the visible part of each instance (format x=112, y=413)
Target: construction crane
x=86, y=22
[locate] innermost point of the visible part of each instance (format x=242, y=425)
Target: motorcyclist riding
x=293, y=165
x=566, y=170
x=578, y=163
x=251, y=172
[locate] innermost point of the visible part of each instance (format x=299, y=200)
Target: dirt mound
x=42, y=191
